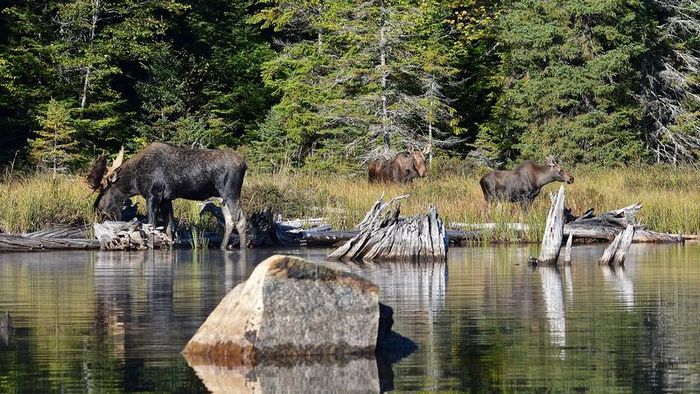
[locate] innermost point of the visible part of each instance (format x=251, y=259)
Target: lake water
x=483, y=321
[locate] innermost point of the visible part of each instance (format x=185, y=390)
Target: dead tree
x=383, y=235
x=616, y=252
x=553, y=230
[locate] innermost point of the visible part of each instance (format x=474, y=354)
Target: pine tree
x=569, y=75
x=671, y=96
x=54, y=146
x=366, y=77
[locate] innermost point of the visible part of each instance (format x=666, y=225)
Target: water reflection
x=114, y=322
x=621, y=285
x=356, y=375
x=553, y=293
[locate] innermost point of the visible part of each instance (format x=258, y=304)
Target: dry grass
x=668, y=195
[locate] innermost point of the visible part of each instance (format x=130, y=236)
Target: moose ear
x=551, y=161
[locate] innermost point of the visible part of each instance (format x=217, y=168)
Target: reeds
x=668, y=194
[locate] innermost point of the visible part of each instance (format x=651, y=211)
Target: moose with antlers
x=162, y=172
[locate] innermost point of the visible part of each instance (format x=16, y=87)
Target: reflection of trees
x=417, y=294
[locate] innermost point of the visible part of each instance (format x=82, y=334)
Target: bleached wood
x=553, y=230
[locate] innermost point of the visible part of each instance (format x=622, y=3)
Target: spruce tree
x=54, y=146
x=569, y=75
x=671, y=95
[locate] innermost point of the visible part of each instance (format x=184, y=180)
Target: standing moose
x=402, y=169
x=162, y=172
x=524, y=183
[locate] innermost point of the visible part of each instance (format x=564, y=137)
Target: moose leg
x=241, y=224
x=232, y=211
x=166, y=213
x=153, y=209
x=228, y=225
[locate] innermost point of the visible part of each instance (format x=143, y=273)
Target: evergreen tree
x=671, y=96
x=54, y=146
x=364, y=73
x=569, y=73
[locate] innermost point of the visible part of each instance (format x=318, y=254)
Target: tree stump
x=132, y=235
x=383, y=235
x=553, y=230
x=616, y=252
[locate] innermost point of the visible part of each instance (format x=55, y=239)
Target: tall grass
x=669, y=197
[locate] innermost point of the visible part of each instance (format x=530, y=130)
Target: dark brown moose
x=402, y=169
x=162, y=172
x=524, y=183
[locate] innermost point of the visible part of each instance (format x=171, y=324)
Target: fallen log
x=22, y=243
x=383, y=235
x=553, y=230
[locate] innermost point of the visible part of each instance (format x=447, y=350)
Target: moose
x=163, y=172
x=403, y=168
x=524, y=183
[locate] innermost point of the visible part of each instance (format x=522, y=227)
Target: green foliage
x=330, y=84
x=343, y=91
x=569, y=79
x=54, y=146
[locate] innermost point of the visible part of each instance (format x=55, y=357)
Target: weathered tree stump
x=132, y=235
x=567, y=250
x=616, y=252
x=383, y=235
x=553, y=230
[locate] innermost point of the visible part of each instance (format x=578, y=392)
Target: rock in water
x=289, y=307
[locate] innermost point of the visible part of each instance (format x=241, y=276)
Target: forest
x=326, y=84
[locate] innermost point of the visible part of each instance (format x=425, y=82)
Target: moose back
x=162, y=172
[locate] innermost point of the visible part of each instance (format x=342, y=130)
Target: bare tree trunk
x=553, y=230
x=93, y=26
x=383, y=61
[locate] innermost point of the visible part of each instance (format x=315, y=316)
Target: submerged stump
x=384, y=235
x=290, y=308
x=616, y=252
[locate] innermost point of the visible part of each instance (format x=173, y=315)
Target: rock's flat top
x=289, y=308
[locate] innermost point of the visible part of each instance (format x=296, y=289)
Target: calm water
x=484, y=321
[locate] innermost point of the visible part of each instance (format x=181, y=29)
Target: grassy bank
x=669, y=196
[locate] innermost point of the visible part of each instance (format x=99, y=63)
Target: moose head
x=556, y=172
x=100, y=178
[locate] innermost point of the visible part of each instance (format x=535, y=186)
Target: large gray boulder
x=289, y=307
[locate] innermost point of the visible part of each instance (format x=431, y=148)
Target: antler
x=110, y=175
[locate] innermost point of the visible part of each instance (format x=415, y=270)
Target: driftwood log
x=553, y=230
x=26, y=243
x=383, y=235
x=132, y=235
x=604, y=227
